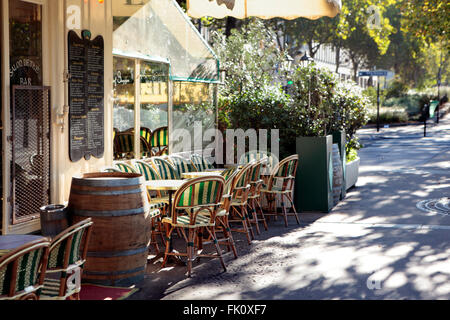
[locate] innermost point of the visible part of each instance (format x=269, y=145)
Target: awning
x=265, y=9
x=159, y=28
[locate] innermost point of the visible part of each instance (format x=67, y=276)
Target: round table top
x=164, y=185
x=189, y=175
x=13, y=241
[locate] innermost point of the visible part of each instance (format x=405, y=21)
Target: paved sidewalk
x=389, y=239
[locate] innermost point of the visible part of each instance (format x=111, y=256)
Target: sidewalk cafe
x=92, y=92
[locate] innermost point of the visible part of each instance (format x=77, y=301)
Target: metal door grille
x=30, y=151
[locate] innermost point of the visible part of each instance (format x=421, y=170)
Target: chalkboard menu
x=86, y=96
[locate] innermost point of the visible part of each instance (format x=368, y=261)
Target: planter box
x=314, y=179
x=352, y=173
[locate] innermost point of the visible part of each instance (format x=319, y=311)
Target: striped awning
x=265, y=9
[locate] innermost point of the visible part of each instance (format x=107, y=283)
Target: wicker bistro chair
x=146, y=133
x=125, y=167
x=124, y=145
x=22, y=271
x=200, y=163
x=238, y=212
x=165, y=169
x=157, y=199
x=181, y=164
x=159, y=141
x=226, y=174
x=222, y=217
x=281, y=182
x=66, y=259
x=195, y=196
x=111, y=169
x=254, y=196
x=257, y=155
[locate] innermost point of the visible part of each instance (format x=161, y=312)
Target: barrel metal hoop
x=107, y=193
x=109, y=254
x=112, y=213
x=108, y=183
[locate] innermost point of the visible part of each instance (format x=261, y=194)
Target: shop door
x=29, y=113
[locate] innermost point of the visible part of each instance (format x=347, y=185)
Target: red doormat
x=98, y=292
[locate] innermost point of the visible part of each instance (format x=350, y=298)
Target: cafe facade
x=74, y=73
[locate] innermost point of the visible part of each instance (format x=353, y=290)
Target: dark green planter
x=314, y=179
x=340, y=138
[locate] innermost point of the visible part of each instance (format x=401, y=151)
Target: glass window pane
x=25, y=43
x=124, y=102
x=154, y=95
x=193, y=105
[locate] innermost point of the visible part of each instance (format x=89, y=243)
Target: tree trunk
x=338, y=58
x=355, y=64
x=231, y=24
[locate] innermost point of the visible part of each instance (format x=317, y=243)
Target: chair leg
x=154, y=242
x=168, y=240
x=190, y=250
x=247, y=219
x=293, y=208
x=228, y=235
x=263, y=217
x=216, y=244
x=242, y=219
x=254, y=218
x=283, y=205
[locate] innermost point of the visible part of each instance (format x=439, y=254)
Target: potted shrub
x=350, y=112
x=312, y=91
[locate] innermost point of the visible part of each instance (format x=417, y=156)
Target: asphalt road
x=389, y=239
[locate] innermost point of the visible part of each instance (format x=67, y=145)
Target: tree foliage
x=428, y=20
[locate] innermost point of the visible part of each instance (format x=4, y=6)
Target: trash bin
x=54, y=219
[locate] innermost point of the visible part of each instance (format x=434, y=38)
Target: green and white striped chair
x=158, y=200
x=200, y=163
x=160, y=141
x=111, y=169
x=22, y=271
x=222, y=216
x=240, y=187
x=150, y=174
x=123, y=145
x=125, y=167
x=66, y=259
x=281, y=183
x=257, y=155
x=254, y=196
x=165, y=169
x=146, y=133
x=228, y=172
x=181, y=164
x=193, y=197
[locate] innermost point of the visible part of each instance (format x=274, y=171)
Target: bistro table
x=171, y=186
x=13, y=241
x=190, y=175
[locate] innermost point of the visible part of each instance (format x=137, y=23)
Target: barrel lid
x=104, y=179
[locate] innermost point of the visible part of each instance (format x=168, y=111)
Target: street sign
x=373, y=73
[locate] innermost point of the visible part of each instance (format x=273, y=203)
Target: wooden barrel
x=54, y=219
x=337, y=174
x=117, y=203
